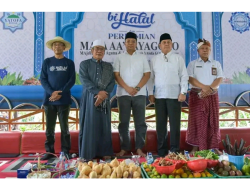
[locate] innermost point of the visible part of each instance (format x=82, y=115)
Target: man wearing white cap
x=205, y=76
x=98, y=82
x=57, y=78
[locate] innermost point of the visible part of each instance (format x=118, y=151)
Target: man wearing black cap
x=170, y=78
x=132, y=72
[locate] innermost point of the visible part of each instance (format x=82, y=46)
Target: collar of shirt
x=200, y=60
x=168, y=54
x=132, y=54
x=95, y=60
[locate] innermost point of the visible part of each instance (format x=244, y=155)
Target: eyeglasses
x=99, y=48
x=58, y=45
x=165, y=58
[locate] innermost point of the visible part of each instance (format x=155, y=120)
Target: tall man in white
x=131, y=73
x=170, y=78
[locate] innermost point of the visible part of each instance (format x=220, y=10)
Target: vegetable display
x=114, y=169
x=207, y=154
x=235, y=149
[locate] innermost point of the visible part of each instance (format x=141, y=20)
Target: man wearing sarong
x=205, y=76
x=170, y=79
x=98, y=81
x=131, y=73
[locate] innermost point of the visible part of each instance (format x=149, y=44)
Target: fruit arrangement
x=234, y=149
x=246, y=167
x=163, y=162
x=226, y=168
x=207, y=154
x=174, y=156
x=182, y=172
x=46, y=166
x=114, y=169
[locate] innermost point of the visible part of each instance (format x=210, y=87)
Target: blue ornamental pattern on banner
x=240, y=22
x=13, y=21
x=38, y=42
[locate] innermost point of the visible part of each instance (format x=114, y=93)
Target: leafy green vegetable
x=207, y=154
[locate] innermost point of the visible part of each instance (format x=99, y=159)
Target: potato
x=81, y=165
x=119, y=172
x=94, y=164
x=114, y=163
x=132, y=168
x=131, y=164
x=86, y=170
x=93, y=174
x=138, y=170
x=106, y=170
x=90, y=163
x=82, y=175
x=97, y=168
x=136, y=174
x=113, y=175
x=125, y=174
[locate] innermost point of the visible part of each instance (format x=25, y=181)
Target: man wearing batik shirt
x=170, y=78
x=205, y=76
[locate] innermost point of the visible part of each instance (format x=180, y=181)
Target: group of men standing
x=165, y=78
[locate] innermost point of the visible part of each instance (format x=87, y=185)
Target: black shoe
x=68, y=156
x=47, y=156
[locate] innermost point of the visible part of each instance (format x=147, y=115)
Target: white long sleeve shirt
x=203, y=71
x=169, y=76
x=131, y=69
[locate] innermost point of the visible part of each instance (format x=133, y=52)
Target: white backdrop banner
x=112, y=27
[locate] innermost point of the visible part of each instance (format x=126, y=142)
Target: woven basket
x=42, y=174
x=58, y=174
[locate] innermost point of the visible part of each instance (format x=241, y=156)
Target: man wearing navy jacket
x=57, y=78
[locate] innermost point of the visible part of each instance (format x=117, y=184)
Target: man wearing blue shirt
x=57, y=78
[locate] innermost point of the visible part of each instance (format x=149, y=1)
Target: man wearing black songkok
x=170, y=78
x=131, y=73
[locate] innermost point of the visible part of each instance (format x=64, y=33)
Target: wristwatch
x=184, y=93
x=211, y=88
x=138, y=88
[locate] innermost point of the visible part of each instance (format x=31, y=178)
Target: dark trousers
x=165, y=108
x=51, y=112
x=138, y=105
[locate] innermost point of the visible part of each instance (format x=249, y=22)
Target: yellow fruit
x=197, y=175
x=190, y=176
x=203, y=174
x=188, y=172
x=184, y=175
x=179, y=171
x=209, y=175
x=177, y=176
